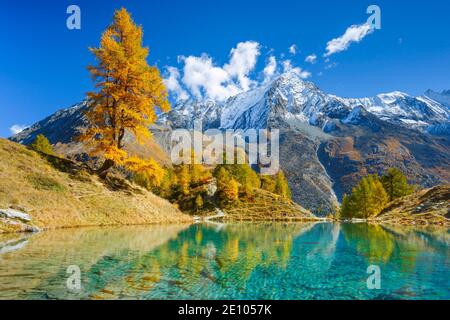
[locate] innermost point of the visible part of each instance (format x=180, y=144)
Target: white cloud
x=270, y=69
x=293, y=49
x=354, y=33
x=312, y=58
x=17, y=128
x=173, y=84
x=242, y=62
x=288, y=67
x=200, y=77
x=203, y=78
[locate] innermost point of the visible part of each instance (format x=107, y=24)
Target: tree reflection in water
x=235, y=261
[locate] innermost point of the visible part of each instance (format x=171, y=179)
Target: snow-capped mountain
x=327, y=143
x=291, y=97
x=288, y=96
x=401, y=108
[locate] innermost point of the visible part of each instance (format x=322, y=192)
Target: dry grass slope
x=267, y=206
x=426, y=207
x=60, y=193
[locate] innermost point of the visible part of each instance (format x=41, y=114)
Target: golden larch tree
x=128, y=93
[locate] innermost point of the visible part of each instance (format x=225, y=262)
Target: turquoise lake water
x=230, y=261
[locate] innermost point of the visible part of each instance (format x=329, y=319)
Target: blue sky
x=43, y=64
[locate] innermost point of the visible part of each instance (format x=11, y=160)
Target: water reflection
x=241, y=261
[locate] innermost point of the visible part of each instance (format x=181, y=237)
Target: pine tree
x=198, y=202
x=246, y=177
x=379, y=194
x=232, y=191
x=396, y=184
x=184, y=179
x=282, y=186
x=129, y=91
x=367, y=199
x=41, y=144
x=227, y=186
x=167, y=183
x=346, y=207
x=247, y=189
x=223, y=177
x=377, y=197
x=268, y=183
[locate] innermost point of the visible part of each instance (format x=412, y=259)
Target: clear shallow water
x=238, y=261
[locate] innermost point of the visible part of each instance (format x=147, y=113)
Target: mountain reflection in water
x=233, y=261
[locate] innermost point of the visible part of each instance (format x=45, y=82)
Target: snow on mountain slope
x=236, y=106
x=400, y=108
x=185, y=112
x=292, y=98
x=288, y=97
x=327, y=142
x=441, y=98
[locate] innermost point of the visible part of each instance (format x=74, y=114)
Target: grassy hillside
x=426, y=207
x=60, y=193
x=265, y=206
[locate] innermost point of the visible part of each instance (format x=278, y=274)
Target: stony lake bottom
x=227, y=261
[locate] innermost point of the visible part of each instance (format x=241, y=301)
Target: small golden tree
x=129, y=91
x=198, y=202
x=41, y=144
x=282, y=186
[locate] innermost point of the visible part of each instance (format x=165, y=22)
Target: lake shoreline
x=233, y=220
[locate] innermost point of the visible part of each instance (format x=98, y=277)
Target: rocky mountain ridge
x=327, y=143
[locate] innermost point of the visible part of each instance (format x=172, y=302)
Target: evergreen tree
x=396, y=184
x=41, y=144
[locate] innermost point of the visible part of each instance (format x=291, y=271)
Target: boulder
x=14, y=214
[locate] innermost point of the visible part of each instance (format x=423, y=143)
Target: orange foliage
x=129, y=91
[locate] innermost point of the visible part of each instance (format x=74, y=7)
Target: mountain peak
x=293, y=76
